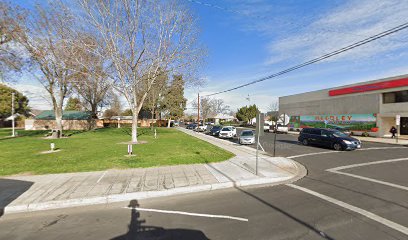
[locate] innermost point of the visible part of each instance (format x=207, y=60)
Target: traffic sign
x=260, y=121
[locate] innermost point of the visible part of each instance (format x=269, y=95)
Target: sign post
x=13, y=134
x=398, y=123
x=259, y=132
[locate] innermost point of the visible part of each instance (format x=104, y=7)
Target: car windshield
x=247, y=133
x=226, y=129
x=216, y=128
x=339, y=134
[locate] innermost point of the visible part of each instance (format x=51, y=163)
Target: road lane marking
x=363, y=149
x=372, y=180
x=189, y=214
x=310, y=154
x=103, y=175
x=337, y=171
x=366, y=164
x=358, y=210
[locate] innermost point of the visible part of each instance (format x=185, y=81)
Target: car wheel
x=337, y=147
x=305, y=142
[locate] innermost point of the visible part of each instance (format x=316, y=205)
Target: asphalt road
x=360, y=194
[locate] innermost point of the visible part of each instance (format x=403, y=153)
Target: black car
x=328, y=138
x=215, y=130
x=192, y=126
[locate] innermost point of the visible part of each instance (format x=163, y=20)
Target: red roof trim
x=370, y=87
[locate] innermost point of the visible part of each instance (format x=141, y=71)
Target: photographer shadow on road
x=138, y=231
x=10, y=190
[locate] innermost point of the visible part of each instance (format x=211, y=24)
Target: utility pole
x=13, y=134
x=198, y=109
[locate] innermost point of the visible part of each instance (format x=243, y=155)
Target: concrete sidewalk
x=401, y=141
x=32, y=193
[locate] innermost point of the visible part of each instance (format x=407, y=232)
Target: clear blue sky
x=247, y=40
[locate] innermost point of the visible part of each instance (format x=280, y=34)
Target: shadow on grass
x=10, y=190
x=138, y=231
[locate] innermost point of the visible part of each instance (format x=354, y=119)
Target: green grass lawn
x=101, y=149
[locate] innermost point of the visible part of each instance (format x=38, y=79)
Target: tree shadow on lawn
x=10, y=190
x=138, y=231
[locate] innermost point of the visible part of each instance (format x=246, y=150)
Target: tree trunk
x=152, y=118
x=94, y=110
x=134, y=125
x=58, y=120
x=169, y=122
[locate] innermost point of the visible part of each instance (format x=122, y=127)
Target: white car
x=228, y=132
x=201, y=128
x=279, y=128
x=247, y=137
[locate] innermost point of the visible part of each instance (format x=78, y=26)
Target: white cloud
x=38, y=97
x=342, y=26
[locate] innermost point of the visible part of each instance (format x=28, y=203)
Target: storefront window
x=395, y=97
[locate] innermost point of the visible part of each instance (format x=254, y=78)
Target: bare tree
x=141, y=38
x=206, y=107
x=220, y=107
x=11, y=21
x=273, y=111
x=92, y=82
x=211, y=107
x=47, y=38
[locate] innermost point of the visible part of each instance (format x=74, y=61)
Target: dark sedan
x=192, y=126
x=328, y=138
x=215, y=130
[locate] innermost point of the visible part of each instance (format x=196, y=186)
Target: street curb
x=50, y=205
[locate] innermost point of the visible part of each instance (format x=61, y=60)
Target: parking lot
x=287, y=144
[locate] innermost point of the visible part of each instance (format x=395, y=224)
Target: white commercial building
x=364, y=108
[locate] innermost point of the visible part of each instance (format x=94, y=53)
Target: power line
x=318, y=59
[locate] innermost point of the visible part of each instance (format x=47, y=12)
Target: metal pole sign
x=260, y=121
x=13, y=134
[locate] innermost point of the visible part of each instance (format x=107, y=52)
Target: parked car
x=247, y=137
x=267, y=126
x=201, y=128
x=343, y=130
x=228, y=132
x=328, y=138
x=280, y=128
x=215, y=130
x=192, y=126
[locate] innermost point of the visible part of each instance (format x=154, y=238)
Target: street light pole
x=198, y=109
x=13, y=134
